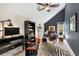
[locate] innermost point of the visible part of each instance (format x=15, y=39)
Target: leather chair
x=52, y=36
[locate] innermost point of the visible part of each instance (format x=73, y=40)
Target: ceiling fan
x=47, y=6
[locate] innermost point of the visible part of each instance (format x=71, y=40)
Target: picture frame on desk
x=73, y=23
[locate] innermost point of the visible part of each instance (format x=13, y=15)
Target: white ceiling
x=29, y=10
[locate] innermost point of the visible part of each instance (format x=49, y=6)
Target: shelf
x=16, y=42
x=7, y=44
x=30, y=26
x=11, y=38
x=32, y=48
x=31, y=37
x=1, y=30
x=29, y=34
x=30, y=29
x=3, y=46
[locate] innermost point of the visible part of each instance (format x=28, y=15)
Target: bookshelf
x=29, y=30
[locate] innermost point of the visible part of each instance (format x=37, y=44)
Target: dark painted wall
x=72, y=37
x=53, y=21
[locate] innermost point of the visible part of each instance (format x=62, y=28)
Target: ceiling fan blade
x=39, y=9
x=54, y=5
x=43, y=4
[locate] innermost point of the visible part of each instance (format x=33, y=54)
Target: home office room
x=39, y=29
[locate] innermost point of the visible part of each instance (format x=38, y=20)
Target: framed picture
x=73, y=23
x=51, y=28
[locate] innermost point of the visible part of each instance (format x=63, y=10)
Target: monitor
x=11, y=31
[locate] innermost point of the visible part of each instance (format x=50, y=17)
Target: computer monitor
x=11, y=31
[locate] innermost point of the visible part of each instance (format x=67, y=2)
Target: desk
x=5, y=43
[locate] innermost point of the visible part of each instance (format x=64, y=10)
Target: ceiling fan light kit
x=47, y=8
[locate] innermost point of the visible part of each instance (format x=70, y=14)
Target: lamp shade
x=10, y=24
